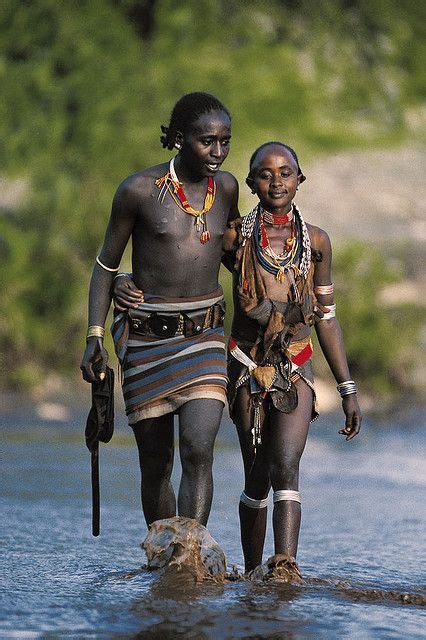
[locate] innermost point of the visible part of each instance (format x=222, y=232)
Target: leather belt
x=167, y=325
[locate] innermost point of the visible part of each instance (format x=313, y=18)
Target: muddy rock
x=184, y=545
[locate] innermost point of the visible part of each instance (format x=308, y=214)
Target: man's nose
x=216, y=150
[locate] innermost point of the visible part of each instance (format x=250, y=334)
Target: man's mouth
x=213, y=166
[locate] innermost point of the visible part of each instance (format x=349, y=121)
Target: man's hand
x=353, y=416
x=126, y=295
x=94, y=361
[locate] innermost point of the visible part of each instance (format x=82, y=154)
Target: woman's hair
x=281, y=144
x=186, y=110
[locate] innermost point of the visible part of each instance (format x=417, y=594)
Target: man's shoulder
x=228, y=181
x=140, y=183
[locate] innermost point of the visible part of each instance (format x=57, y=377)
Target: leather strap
x=96, y=511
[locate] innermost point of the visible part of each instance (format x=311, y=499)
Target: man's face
x=275, y=178
x=206, y=143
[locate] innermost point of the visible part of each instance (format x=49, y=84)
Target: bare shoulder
x=228, y=182
x=139, y=185
x=320, y=240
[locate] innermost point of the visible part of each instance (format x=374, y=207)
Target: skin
x=168, y=259
x=274, y=178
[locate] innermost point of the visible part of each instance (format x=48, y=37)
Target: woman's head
x=200, y=128
x=274, y=175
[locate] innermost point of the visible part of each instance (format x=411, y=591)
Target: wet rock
x=184, y=545
x=279, y=568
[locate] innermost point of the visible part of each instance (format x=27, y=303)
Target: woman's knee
x=284, y=471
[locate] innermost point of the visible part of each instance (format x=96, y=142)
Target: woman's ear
x=250, y=183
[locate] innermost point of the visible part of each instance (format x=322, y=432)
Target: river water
x=362, y=531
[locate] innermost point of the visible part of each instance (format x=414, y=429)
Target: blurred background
x=85, y=87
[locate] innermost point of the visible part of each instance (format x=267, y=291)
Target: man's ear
x=250, y=183
x=179, y=139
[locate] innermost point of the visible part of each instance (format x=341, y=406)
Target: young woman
x=172, y=350
x=282, y=286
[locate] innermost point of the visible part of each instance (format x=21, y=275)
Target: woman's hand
x=353, y=416
x=95, y=358
x=126, y=295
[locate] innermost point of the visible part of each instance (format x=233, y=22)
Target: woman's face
x=275, y=178
x=206, y=144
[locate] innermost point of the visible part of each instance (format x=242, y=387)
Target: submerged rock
x=279, y=568
x=184, y=545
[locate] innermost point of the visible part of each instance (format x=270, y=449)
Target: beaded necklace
x=171, y=183
x=296, y=256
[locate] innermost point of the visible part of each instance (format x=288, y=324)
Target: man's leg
x=155, y=440
x=252, y=508
x=199, y=422
x=287, y=439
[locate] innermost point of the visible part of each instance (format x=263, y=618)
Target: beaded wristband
x=95, y=331
x=346, y=388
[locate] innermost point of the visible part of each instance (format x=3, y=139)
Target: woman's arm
x=330, y=335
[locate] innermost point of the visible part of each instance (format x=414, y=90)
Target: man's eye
x=225, y=143
x=207, y=142
x=286, y=174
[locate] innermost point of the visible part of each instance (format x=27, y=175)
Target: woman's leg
x=252, y=508
x=287, y=439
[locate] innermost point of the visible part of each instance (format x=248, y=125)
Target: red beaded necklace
x=171, y=183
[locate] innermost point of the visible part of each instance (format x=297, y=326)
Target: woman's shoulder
x=319, y=238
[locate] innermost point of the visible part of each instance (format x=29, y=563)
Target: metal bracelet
x=346, y=388
x=95, y=331
x=101, y=264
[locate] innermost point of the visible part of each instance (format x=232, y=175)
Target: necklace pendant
x=198, y=223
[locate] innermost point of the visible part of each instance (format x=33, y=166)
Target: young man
x=173, y=350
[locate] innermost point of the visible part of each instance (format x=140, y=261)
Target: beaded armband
x=324, y=290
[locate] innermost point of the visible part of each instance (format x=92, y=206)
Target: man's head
x=200, y=128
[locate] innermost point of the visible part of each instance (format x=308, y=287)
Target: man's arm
x=232, y=190
x=121, y=222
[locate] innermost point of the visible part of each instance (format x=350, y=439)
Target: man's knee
x=196, y=454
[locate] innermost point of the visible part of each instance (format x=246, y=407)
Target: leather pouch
x=138, y=320
x=193, y=322
x=162, y=325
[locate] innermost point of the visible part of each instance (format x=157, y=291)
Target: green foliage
x=86, y=85
x=378, y=338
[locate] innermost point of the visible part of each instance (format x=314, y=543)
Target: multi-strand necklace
x=296, y=255
x=171, y=183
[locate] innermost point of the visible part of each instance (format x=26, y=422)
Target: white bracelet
x=106, y=268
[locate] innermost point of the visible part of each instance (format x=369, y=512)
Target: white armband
x=329, y=314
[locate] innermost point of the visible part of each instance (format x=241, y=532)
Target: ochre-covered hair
x=186, y=110
x=280, y=144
